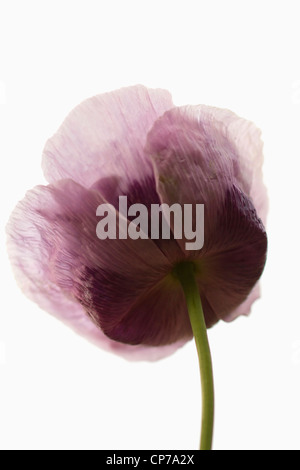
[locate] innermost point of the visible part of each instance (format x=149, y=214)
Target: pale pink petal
x=50, y=238
x=105, y=136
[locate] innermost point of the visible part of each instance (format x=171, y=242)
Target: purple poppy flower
x=123, y=293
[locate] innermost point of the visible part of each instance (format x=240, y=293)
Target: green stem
x=186, y=274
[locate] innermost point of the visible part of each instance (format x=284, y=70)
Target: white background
x=59, y=392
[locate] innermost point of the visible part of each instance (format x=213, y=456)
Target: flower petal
x=245, y=307
x=115, y=280
x=193, y=162
x=230, y=148
x=105, y=136
x=246, y=139
x=157, y=315
x=234, y=257
x=52, y=240
x=200, y=159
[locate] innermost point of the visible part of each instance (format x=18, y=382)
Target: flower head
x=123, y=293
